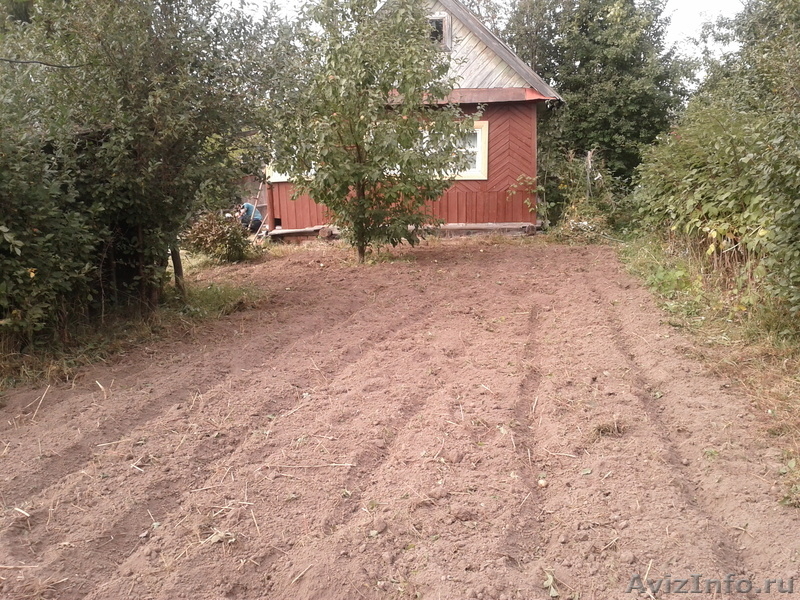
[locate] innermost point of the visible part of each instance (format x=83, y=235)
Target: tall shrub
x=729, y=174
x=113, y=115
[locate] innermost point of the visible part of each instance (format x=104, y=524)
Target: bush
x=578, y=196
x=101, y=164
x=218, y=237
x=48, y=237
x=735, y=194
x=728, y=176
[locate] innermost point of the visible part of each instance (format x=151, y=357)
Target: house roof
x=517, y=71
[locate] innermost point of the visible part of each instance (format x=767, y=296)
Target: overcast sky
x=687, y=15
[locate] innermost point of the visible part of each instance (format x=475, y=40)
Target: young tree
x=362, y=131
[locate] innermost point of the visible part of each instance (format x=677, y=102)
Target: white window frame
x=481, y=150
x=447, y=32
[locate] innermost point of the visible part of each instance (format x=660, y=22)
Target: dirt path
x=457, y=424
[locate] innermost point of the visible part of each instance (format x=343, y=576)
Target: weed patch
x=745, y=335
x=117, y=333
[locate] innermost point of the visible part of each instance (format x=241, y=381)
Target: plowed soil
x=470, y=420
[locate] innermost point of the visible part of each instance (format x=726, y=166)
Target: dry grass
x=54, y=363
x=611, y=429
x=770, y=374
x=283, y=249
x=740, y=335
x=37, y=589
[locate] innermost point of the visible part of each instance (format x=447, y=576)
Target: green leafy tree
x=608, y=60
x=361, y=132
x=491, y=13
x=535, y=30
x=114, y=115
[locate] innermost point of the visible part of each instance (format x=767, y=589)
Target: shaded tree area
x=621, y=85
x=113, y=117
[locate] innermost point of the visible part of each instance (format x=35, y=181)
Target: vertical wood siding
x=296, y=214
x=512, y=152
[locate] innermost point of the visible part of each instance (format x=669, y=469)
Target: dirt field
x=472, y=420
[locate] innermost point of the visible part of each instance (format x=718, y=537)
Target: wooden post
x=270, y=207
x=533, y=215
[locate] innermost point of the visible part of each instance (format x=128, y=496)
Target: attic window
x=440, y=30
x=437, y=30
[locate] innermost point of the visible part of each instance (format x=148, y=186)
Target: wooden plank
x=296, y=222
x=512, y=209
x=481, y=69
x=507, y=206
x=500, y=77
x=276, y=191
x=517, y=208
x=465, y=45
x=301, y=231
x=450, y=210
x=465, y=95
x=459, y=13
x=483, y=209
x=292, y=207
x=472, y=212
x=534, y=140
x=270, y=206
x=492, y=216
x=521, y=226
x=309, y=214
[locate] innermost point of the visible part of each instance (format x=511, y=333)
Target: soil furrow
x=382, y=431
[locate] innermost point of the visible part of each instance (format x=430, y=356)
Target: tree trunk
x=177, y=266
x=362, y=252
x=143, y=283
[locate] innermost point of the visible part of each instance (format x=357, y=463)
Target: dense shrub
x=218, y=237
x=577, y=195
x=47, y=235
x=113, y=117
x=728, y=175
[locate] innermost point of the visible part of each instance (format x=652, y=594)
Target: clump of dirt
x=468, y=421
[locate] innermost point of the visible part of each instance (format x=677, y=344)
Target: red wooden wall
x=512, y=152
x=294, y=214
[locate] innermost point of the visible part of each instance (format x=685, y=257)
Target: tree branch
x=39, y=62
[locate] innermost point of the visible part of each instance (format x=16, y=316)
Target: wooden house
x=504, y=142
